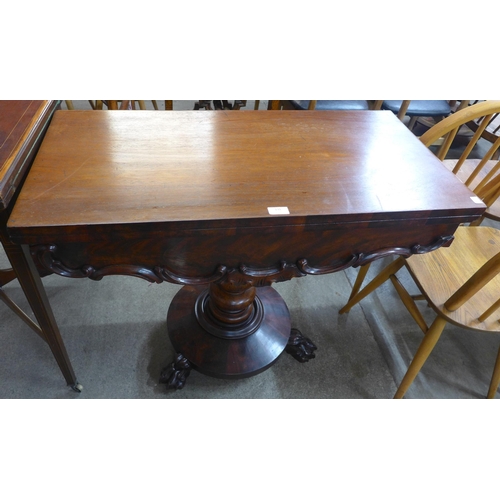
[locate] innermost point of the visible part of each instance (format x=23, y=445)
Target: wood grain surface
x=443, y=272
x=143, y=167
x=21, y=126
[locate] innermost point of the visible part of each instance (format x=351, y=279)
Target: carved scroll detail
x=166, y=275
x=44, y=256
x=303, y=265
x=264, y=277
x=442, y=241
x=404, y=252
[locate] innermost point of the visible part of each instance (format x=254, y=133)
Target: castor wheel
x=77, y=387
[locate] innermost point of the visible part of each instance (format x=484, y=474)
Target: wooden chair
x=492, y=130
x=461, y=284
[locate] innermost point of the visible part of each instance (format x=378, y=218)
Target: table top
x=21, y=123
x=132, y=167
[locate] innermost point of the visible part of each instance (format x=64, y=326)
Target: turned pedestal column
x=225, y=331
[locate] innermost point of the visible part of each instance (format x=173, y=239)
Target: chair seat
x=420, y=108
x=438, y=276
x=333, y=105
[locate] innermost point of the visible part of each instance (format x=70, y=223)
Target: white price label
x=278, y=210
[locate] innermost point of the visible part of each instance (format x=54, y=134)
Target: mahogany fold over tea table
x=226, y=204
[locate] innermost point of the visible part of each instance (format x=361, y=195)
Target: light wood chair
x=492, y=130
x=461, y=284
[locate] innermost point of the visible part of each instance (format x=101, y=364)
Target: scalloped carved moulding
x=45, y=256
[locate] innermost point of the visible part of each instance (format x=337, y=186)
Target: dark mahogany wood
x=300, y=347
x=22, y=128
x=221, y=353
x=183, y=197
x=6, y=276
x=22, y=124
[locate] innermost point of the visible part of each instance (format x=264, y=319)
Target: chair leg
x=412, y=122
x=423, y=352
x=495, y=379
x=363, y=270
x=409, y=303
x=274, y=105
x=382, y=277
x=477, y=222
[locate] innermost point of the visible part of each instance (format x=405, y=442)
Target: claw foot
x=175, y=375
x=300, y=347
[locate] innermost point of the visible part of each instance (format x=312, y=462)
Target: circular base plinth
x=229, y=357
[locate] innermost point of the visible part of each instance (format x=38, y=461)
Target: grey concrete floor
x=116, y=337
